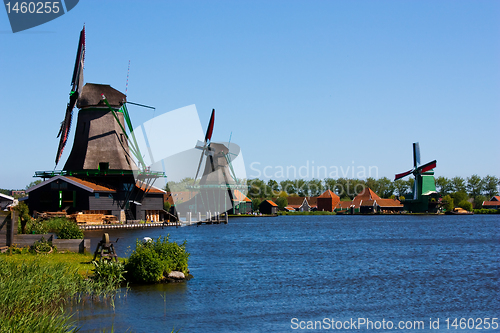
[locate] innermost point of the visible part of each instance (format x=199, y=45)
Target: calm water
x=256, y=274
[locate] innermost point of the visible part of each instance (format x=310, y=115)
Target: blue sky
x=334, y=84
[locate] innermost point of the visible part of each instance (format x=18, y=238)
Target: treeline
x=458, y=188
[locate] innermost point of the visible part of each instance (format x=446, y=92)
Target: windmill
x=424, y=184
x=105, y=150
x=214, y=192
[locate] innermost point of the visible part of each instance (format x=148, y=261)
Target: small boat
x=459, y=211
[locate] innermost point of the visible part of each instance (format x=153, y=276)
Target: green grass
x=81, y=262
x=35, y=288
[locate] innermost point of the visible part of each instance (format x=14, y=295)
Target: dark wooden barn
x=268, y=207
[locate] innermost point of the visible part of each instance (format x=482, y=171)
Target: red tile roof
x=343, y=204
x=152, y=189
x=495, y=198
x=328, y=194
x=238, y=196
x=491, y=203
x=95, y=187
x=272, y=203
x=366, y=194
x=367, y=203
x=389, y=203
x=178, y=197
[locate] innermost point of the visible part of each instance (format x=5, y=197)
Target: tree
x=448, y=203
x=288, y=186
x=33, y=183
x=282, y=202
x=444, y=185
x=330, y=184
x=385, y=187
x=315, y=187
x=458, y=184
x=474, y=185
x=302, y=188
x=401, y=187
x=255, y=204
x=273, y=186
x=459, y=196
x=490, y=186
x=259, y=189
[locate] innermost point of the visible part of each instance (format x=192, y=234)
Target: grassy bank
x=35, y=288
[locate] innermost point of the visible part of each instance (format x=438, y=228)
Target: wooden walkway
x=129, y=225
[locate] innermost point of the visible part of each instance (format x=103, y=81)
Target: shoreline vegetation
x=37, y=282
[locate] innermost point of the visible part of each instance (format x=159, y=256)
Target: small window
x=103, y=166
x=96, y=195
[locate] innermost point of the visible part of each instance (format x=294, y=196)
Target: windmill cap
x=91, y=96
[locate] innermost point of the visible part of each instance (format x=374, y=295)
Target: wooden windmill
x=424, y=185
x=215, y=191
x=105, y=150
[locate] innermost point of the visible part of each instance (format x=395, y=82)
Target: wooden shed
x=268, y=207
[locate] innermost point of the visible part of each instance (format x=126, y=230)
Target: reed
x=34, y=292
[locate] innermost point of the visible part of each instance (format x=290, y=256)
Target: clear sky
x=331, y=84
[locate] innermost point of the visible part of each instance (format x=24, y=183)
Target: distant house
x=344, y=207
x=289, y=209
x=493, y=203
x=268, y=207
x=327, y=201
x=18, y=193
x=368, y=202
x=301, y=204
x=388, y=205
x=5, y=200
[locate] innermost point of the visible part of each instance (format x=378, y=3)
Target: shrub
x=36, y=227
x=152, y=261
x=42, y=246
x=465, y=205
x=70, y=230
x=144, y=264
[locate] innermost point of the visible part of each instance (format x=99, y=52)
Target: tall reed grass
x=33, y=295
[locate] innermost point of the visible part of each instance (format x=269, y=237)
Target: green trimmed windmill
x=215, y=191
x=424, y=186
x=105, y=150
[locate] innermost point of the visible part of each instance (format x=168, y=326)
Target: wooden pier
x=189, y=219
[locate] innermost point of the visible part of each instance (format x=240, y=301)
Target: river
x=280, y=274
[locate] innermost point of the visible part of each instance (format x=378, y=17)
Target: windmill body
x=99, y=143
x=424, y=187
x=218, y=190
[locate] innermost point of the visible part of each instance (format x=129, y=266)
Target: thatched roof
x=91, y=96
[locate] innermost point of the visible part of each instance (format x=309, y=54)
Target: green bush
x=42, y=246
x=36, y=227
x=144, y=265
x=151, y=262
x=486, y=211
x=69, y=230
x=465, y=205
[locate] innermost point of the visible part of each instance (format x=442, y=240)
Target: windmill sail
x=76, y=88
